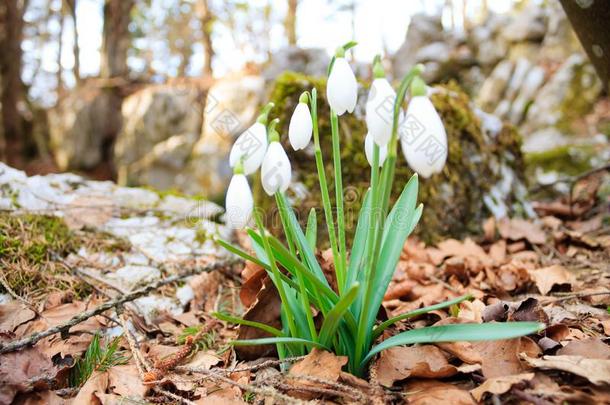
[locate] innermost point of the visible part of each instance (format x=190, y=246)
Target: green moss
x=569, y=159
x=31, y=247
x=453, y=199
x=580, y=97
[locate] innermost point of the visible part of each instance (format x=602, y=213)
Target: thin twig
x=32, y=339
x=568, y=296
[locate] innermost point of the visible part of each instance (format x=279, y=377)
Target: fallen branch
x=32, y=339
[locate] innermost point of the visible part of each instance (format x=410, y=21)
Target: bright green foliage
x=96, y=358
x=348, y=314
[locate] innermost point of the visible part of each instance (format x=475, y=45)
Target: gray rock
x=528, y=25
x=79, y=127
x=310, y=61
x=161, y=125
x=495, y=85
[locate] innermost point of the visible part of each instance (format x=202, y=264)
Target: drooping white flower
x=239, y=202
x=276, y=172
x=342, y=88
x=301, y=127
x=251, y=147
x=368, y=150
x=380, y=111
x=423, y=137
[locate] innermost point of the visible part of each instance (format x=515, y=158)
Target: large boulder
x=231, y=106
x=160, y=127
x=483, y=175
x=82, y=124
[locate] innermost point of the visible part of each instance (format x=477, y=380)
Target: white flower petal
x=380, y=111
x=251, y=145
x=239, y=202
x=342, y=87
x=276, y=172
x=423, y=137
x=368, y=150
x=301, y=127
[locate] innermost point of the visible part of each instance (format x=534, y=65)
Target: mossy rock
x=456, y=201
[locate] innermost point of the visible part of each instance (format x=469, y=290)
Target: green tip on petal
x=239, y=167
x=378, y=70
x=304, y=98
x=263, y=117
x=418, y=87
x=272, y=134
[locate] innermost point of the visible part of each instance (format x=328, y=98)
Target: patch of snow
x=185, y=294
x=135, y=197
x=131, y=276
x=490, y=124
x=151, y=305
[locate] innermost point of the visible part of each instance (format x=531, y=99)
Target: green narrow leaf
x=276, y=340
x=397, y=228
x=241, y=253
x=240, y=321
x=457, y=333
x=334, y=317
x=311, y=232
x=379, y=329
x=356, y=260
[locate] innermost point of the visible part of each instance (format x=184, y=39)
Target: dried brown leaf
x=432, y=392
x=399, y=363
x=517, y=229
x=595, y=370
x=548, y=277
x=592, y=348
x=499, y=385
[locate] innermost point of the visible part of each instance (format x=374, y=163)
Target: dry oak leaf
x=96, y=384
x=319, y=364
x=517, y=229
x=399, y=363
x=432, y=392
x=595, y=370
x=548, y=277
x=125, y=381
x=499, y=385
x=17, y=368
x=592, y=348
x=500, y=357
x=14, y=314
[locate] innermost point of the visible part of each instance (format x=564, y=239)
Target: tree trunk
x=116, y=39
x=71, y=5
x=11, y=94
x=206, y=20
x=291, y=22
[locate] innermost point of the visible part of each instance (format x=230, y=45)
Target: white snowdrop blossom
x=301, y=127
x=251, y=147
x=368, y=150
x=239, y=202
x=380, y=110
x=276, y=172
x=423, y=137
x=342, y=88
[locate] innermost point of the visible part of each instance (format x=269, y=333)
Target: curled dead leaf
x=432, y=392
x=548, y=277
x=399, y=363
x=595, y=370
x=499, y=385
x=319, y=364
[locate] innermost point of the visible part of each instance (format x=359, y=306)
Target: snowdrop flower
x=341, y=88
x=380, y=106
x=368, y=150
x=423, y=136
x=239, y=202
x=252, y=144
x=301, y=126
x=276, y=172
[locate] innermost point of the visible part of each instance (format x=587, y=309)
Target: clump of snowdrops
x=313, y=314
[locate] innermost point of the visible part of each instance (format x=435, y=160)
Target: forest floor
x=111, y=304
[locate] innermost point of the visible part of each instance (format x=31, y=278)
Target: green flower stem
x=328, y=213
x=276, y=273
x=339, y=270
x=364, y=310
x=303, y=291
